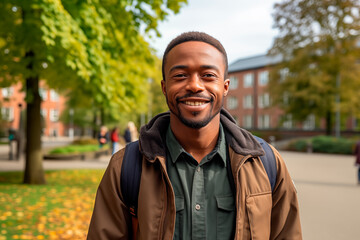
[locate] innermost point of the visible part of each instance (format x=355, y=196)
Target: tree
x=88, y=47
x=319, y=43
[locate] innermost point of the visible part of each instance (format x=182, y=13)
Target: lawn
x=59, y=210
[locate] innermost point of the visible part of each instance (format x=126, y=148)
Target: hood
x=152, y=140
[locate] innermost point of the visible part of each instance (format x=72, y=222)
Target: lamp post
x=337, y=100
x=71, y=127
x=20, y=136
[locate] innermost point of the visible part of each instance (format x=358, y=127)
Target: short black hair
x=199, y=37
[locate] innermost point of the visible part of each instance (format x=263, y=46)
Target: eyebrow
x=202, y=66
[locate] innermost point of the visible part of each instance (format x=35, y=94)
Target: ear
x=163, y=87
x=226, y=86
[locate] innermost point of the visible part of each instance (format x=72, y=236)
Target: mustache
x=196, y=95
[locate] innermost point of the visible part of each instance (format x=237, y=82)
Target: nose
x=195, y=84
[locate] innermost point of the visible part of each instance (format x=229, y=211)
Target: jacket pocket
x=225, y=217
x=259, y=207
x=179, y=204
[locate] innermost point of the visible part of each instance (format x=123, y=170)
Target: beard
x=196, y=124
x=192, y=123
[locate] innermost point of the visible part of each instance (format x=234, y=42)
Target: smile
x=197, y=103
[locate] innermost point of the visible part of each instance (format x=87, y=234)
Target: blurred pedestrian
x=12, y=143
x=114, y=137
x=103, y=136
x=357, y=162
x=131, y=133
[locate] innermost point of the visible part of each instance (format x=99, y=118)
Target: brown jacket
x=261, y=213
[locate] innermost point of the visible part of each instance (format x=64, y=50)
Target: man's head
x=195, y=36
x=194, y=70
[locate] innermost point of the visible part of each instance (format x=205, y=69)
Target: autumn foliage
x=59, y=210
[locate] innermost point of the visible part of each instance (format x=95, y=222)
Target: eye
x=209, y=75
x=179, y=75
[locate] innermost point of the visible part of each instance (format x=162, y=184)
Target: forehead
x=195, y=51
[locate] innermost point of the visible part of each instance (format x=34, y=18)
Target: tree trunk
x=34, y=171
x=328, y=123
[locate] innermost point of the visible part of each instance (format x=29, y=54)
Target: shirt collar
x=175, y=149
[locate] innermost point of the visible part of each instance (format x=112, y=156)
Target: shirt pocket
x=258, y=208
x=180, y=205
x=225, y=219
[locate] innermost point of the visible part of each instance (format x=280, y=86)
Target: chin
x=196, y=124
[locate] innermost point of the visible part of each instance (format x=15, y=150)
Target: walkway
x=329, y=196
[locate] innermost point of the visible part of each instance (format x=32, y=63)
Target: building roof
x=253, y=62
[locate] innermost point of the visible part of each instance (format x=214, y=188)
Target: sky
x=244, y=27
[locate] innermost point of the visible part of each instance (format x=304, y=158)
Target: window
x=264, y=121
x=248, y=121
x=286, y=97
x=248, y=101
x=264, y=100
x=54, y=115
x=7, y=113
x=43, y=94
x=283, y=74
x=7, y=92
x=234, y=82
x=287, y=121
x=263, y=78
x=249, y=80
x=309, y=123
x=43, y=113
x=54, y=95
x=232, y=102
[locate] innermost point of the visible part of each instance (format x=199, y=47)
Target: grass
x=76, y=149
x=59, y=210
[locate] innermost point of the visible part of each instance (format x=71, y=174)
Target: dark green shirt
x=205, y=205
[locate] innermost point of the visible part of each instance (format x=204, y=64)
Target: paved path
x=6, y=165
x=329, y=196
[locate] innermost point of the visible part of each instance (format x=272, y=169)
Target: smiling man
x=201, y=177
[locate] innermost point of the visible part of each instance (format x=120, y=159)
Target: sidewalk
x=14, y=165
x=102, y=162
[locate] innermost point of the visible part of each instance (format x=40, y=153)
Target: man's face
x=194, y=84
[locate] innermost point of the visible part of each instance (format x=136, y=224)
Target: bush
x=75, y=149
x=326, y=144
x=85, y=141
x=299, y=145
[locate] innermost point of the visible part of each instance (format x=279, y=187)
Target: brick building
x=12, y=103
x=248, y=99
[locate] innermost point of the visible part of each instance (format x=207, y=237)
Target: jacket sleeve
x=111, y=218
x=285, y=216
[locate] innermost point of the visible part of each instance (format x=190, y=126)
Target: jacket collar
x=152, y=136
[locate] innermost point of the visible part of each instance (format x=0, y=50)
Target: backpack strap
x=269, y=161
x=131, y=175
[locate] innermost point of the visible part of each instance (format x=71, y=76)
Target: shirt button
x=198, y=169
x=197, y=207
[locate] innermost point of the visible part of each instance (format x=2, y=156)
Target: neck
x=197, y=142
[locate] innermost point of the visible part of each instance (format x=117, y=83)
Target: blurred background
x=85, y=76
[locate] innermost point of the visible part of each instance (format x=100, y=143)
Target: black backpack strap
x=269, y=161
x=131, y=175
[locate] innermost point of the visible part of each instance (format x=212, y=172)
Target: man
x=186, y=191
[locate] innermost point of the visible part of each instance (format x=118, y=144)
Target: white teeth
x=194, y=103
